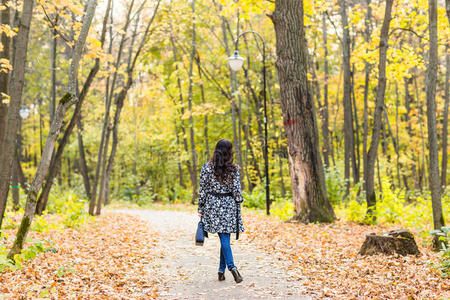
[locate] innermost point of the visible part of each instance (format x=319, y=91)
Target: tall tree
x=12, y=122
x=66, y=101
x=105, y=132
x=311, y=202
x=119, y=100
x=324, y=110
x=433, y=166
x=190, y=100
x=447, y=99
x=5, y=53
x=349, y=149
x=55, y=162
x=369, y=167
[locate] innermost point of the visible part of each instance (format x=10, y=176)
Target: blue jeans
x=226, y=256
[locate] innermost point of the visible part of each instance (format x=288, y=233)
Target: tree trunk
x=438, y=216
x=110, y=94
x=205, y=118
x=103, y=144
x=54, y=45
x=377, y=122
x=56, y=159
x=4, y=76
x=355, y=150
x=445, y=122
x=348, y=119
x=69, y=98
x=180, y=96
x=12, y=122
x=82, y=160
x=307, y=176
x=191, y=119
x=324, y=110
x=119, y=101
x=396, y=241
x=277, y=136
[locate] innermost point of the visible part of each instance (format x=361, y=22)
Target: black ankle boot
x=221, y=276
x=236, y=275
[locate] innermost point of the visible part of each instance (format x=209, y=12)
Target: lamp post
x=236, y=61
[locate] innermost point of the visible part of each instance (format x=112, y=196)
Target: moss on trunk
x=21, y=233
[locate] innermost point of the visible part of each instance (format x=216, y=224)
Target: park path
x=186, y=271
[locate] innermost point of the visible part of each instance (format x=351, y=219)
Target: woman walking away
x=218, y=203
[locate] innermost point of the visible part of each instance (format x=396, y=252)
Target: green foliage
x=335, y=185
x=256, y=199
x=354, y=211
x=64, y=271
x=412, y=211
x=445, y=250
x=65, y=208
x=178, y=194
x=142, y=196
x=69, y=205
x=283, y=208
x=40, y=224
x=36, y=247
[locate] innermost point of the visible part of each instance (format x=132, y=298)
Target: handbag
x=201, y=233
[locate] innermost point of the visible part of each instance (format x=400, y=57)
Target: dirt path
x=187, y=271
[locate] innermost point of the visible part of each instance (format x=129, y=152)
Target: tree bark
x=205, y=118
x=435, y=188
x=67, y=100
x=191, y=119
x=54, y=45
x=103, y=144
x=180, y=96
x=12, y=122
x=4, y=76
x=82, y=160
x=57, y=158
x=445, y=122
x=348, y=119
x=119, y=100
x=324, y=110
x=311, y=202
x=377, y=122
x=110, y=93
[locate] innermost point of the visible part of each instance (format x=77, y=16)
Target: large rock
x=397, y=241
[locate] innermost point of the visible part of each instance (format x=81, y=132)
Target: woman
x=218, y=203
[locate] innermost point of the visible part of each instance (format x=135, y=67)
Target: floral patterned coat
x=219, y=212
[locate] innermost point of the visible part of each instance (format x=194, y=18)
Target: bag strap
x=238, y=206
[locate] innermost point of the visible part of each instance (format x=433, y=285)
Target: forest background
x=158, y=93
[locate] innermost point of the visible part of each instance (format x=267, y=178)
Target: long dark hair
x=222, y=161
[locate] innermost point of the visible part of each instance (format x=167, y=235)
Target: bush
x=393, y=207
x=282, y=208
x=256, y=199
x=69, y=205
x=128, y=192
x=336, y=185
x=445, y=250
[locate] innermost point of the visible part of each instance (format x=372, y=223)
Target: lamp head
x=236, y=61
x=24, y=112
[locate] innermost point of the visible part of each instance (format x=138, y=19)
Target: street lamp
x=236, y=61
x=24, y=112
